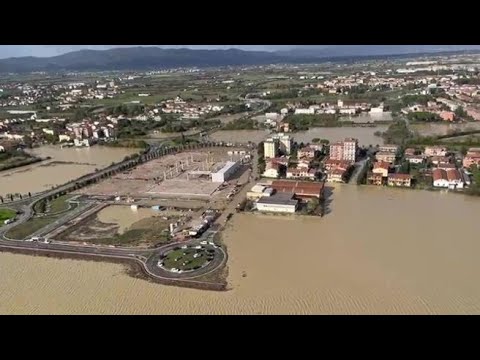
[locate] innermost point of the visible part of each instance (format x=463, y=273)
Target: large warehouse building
x=282, y=203
x=225, y=173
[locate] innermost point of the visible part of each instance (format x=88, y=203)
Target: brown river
x=66, y=164
x=378, y=251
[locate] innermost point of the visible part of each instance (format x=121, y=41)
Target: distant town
x=190, y=148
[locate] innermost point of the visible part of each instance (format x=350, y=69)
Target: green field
x=56, y=205
x=6, y=214
x=183, y=259
x=22, y=231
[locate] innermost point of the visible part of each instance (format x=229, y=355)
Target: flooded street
x=377, y=250
x=65, y=164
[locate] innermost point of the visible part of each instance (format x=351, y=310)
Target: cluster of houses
x=277, y=150
x=188, y=110
x=341, y=107
x=443, y=169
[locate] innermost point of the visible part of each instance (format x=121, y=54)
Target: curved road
x=146, y=257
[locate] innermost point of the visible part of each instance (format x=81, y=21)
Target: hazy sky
x=52, y=50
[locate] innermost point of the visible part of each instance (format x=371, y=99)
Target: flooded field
x=364, y=118
x=66, y=164
x=358, y=259
x=364, y=135
x=443, y=128
x=240, y=136
x=123, y=216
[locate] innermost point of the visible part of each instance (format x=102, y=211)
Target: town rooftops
x=300, y=188
x=451, y=175
x=381, y=165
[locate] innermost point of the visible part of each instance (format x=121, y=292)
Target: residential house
x=335, y=175
x=63, y=137
x=331, y=164
x=374, y=178
x=306, y=152
x=415, y=159
x=301, y=173
x=473, y=112
x=381, y=167
x=439, y=160
x=283, y=160
x=472, y=158
x=271, y=170
x=402, y=180
x=388, y=148
x=385, y=156
x=446, y=166
x=410, y=151
x=447, y=115
x=303, y=164
x=451, y=179
x=435, y=151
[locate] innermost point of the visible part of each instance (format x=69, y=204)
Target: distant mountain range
x=143, y=58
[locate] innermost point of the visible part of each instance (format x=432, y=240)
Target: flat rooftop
x=279, y=199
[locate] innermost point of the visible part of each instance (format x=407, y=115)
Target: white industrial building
x=279, y=203
x=225, y=173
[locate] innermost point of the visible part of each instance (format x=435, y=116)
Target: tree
x=460, y=112
x=312, y=205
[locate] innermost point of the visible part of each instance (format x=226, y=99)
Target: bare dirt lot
x=119, y=226
x=169, y=176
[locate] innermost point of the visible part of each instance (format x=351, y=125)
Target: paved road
x=144, y=256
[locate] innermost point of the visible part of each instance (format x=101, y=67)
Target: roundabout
x=185, y=261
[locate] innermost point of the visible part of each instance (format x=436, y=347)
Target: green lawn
x=177, y=259
x=60, y=203
x=56, y=205
x=6, y=214
x=22, y=231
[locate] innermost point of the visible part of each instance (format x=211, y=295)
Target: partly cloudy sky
x=52, y=50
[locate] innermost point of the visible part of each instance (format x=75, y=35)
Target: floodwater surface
x=65, y=165
x=377, y=251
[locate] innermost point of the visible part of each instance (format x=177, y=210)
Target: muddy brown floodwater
x=364, y=135
x=124, y=216
x=378, y=251
x=66, y=164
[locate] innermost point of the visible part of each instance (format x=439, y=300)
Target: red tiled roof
x=298, y=187
x=381, y=165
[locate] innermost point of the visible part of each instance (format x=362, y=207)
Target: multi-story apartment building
x=350, y=146
x=346, y=150
x=336, y=151
x=270, y=148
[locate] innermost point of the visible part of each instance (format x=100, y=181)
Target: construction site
x=201, y=174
